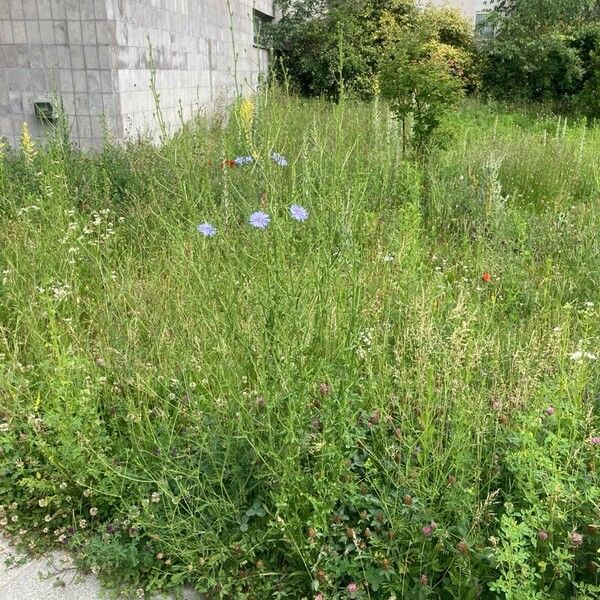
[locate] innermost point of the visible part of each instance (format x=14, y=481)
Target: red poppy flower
x=486, y=277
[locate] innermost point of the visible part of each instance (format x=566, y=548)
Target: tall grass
x=398, y=398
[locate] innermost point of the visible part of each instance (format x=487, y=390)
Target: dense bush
x=397, y=397
x=545, y=52
x=324, y=42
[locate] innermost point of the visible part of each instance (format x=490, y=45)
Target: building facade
x=94, y=55
x=472, y=9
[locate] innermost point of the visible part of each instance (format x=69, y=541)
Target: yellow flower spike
x=2, y=149
x=27, y=145
x=246, y=116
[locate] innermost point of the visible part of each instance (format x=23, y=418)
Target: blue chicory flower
x=244, y=160
x=207, y=230
x=260, y=220
x=299, y=213
x=279, y=159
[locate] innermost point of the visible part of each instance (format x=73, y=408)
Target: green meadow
x=395, y=398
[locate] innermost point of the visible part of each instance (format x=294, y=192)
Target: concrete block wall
x=192, y=51
x=56, y=47
x=94, y=55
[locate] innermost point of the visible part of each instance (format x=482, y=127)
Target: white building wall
x=94, y=55
x=468, y=7
x=50, y=47
x=193, y=53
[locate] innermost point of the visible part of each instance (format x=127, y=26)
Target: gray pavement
x=50, y=578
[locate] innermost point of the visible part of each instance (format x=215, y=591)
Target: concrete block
x=106, y=83
x=94, y=84
x=82, y=104
x=79, y=78
x=6, y=32
x=30, y=12
x=15, y=103
x=19, y=80
x=66, y=80
x=91, y=57
x=68, y=102
x=36, y=56
x=47, y=32
x=86, y=9
x=104, y=57
x=63, y=57
x=16, y=9
x=50, y=57
x=58, y=9
x=95, y=52
x=89, y=32
x=77, y=60
x=100, y=11
x=7, y=57
x=85, y=126
x=27, y=99
x=102, y=32
x=72, y=9
x=19, y=32
x=22, y=56
x=44, y=9
x=53, y=79
x=17, y=122
x=60, y=32
x=4, y=103
x=96, y=105
x=39, y=79
x=6, y=127
x=74, y=34
x=33, y=32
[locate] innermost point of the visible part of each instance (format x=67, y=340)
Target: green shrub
x=323, y=43
x=544, y=52
x=419, y=87
x=542, y=68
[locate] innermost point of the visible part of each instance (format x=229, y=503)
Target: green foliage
x=544, y=51
x=323, y=43
x=419, y=88
x=589, y=98
x=450, y=38
x=543, y=68
x=545, y=15
x=282, y=413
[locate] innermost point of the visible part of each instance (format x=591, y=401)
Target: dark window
x=261, y=21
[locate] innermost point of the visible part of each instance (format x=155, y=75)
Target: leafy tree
x=419, y=88
x=546, y=14
x=587, y=44
x=312, y=33
x=451, y=39
x=309, y=35
x=542, y=51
